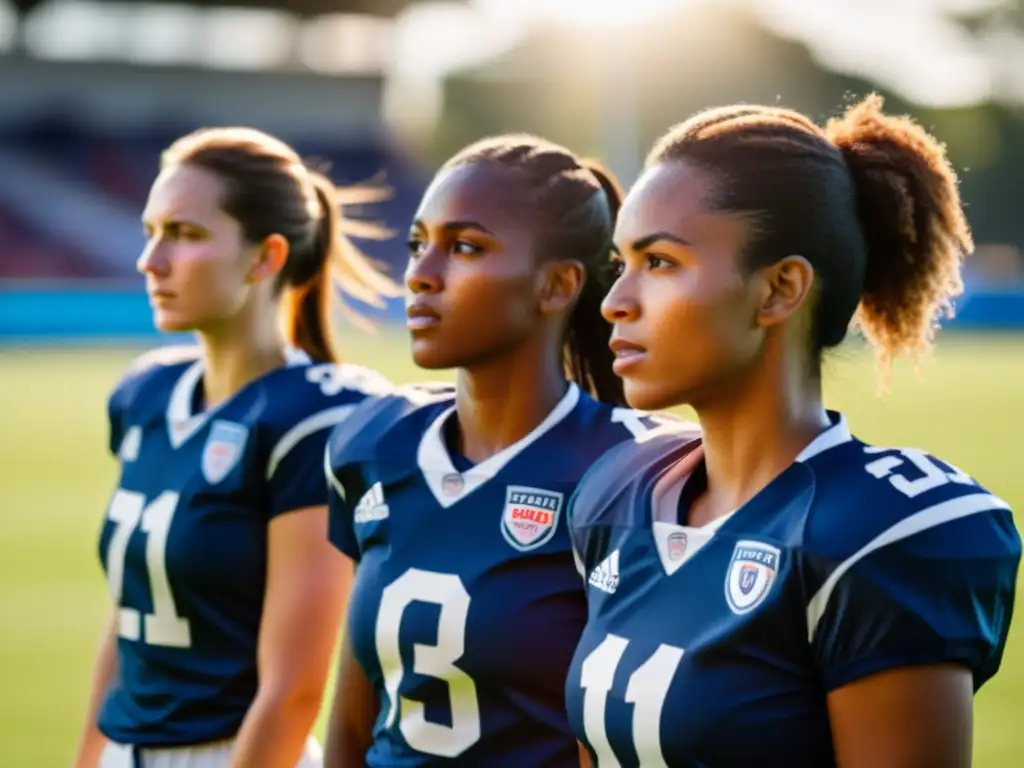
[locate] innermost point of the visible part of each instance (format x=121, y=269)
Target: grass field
x=967, y=406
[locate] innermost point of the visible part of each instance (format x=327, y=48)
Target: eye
x=466, y=248
x=616, y=267
x=654, y=261
x=415, y=246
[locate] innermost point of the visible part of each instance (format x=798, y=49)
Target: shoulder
x=306, y=401
x=407, y=408
x=152, y=370
x=595, y=427
x=868, y=497
x=629, y=465
x=319, y=391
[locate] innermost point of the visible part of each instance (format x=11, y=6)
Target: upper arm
x=307, y=587
x=353, y=713
x=904, y=718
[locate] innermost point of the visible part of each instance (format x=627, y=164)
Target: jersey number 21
x=128, y=510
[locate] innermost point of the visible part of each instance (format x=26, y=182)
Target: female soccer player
x=227, y=599
x=779, y=592
x=467, y=605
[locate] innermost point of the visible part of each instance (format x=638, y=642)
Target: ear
x=270, y=259
x=784, y=287
x=560, y=285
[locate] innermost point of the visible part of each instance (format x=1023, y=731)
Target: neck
x=752, y=434
x=239, y=353
x=501, y=401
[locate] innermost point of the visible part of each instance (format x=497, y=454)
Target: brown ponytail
x=914, y=227
x=307, y=302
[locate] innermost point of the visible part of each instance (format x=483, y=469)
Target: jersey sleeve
x=125, y=392
x=115, y=418
x=937, y=586
x=295, y=477
x=340, y=505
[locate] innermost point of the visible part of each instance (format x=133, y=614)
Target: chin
x=429, y=357
x=645, y=397
x=167, y=322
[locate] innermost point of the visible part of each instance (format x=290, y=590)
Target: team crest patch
x=752, y=572
x=224, y=447
x=676, y=545
x=530, y=517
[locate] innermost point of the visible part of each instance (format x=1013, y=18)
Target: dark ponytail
x=269, y=190
x=332, y=257
x=588, y=358
x=579, y=200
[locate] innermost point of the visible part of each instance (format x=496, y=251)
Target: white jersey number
x=646, y=691
x=438, y=661
x=127, y=511
x=931, y=475
x=634, y=421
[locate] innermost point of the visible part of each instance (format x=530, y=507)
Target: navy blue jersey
x=717, y=646
x=467, y=604
x=184, y=543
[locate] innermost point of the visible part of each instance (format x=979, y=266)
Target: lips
x=420, y=317
x=627, y=354
x=159, y=294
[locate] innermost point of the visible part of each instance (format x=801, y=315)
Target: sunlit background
x=91, y=91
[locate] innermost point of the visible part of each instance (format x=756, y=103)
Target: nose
x=620, y=304
x=422, y=274
x=152, y=260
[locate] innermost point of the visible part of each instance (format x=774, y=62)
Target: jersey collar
x=447, y=484
x=834, y=436
x=181, y=422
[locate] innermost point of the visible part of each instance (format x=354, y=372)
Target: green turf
x=55, y=476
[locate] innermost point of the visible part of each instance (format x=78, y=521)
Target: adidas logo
x=130, y=444
x=606, y=575
x=372, y=507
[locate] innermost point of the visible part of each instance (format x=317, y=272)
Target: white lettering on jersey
x=439, y=661
x=932, y=476
x=633, y=421
x=128, y=510
x=646, y=689
x=371, y=507
x=334, y=377
x=130, y=445
x=606, y=575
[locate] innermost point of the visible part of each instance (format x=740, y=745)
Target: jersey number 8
x=127, y=510
x=446, y=591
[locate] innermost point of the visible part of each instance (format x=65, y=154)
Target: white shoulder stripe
x=329, y=472
x=308, y=426
x=933, y=516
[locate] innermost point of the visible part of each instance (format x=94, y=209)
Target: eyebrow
x=457, y=226
x=648, y=240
